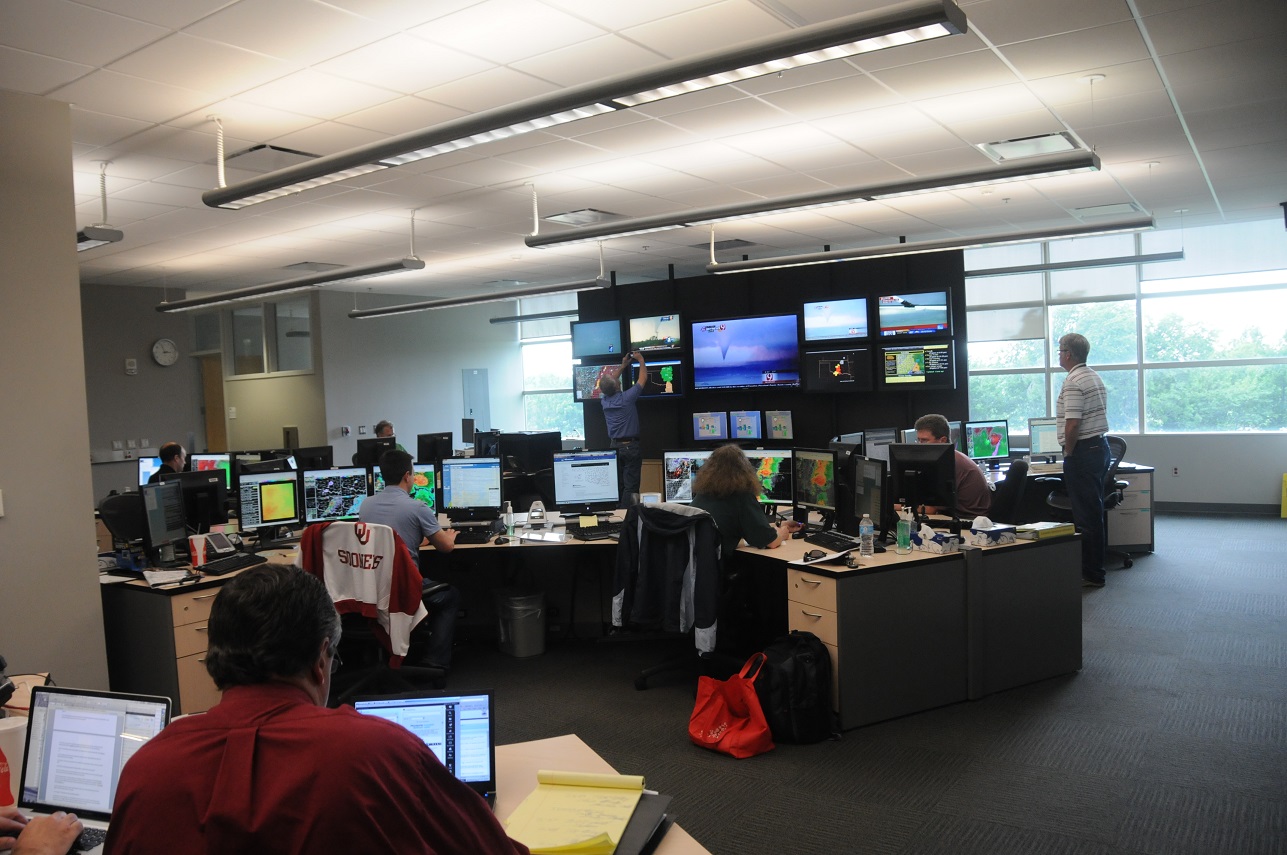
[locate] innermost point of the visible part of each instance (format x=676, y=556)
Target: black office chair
x=1114, y=491
x=660, y=545
x=124, y=516
x=1007, y=499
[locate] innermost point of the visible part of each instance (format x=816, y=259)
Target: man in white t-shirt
x=1082, y=414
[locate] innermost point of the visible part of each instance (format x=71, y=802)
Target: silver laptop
x=457, y=727
x=77, y=743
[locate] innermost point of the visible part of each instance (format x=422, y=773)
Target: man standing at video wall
x=622, y=417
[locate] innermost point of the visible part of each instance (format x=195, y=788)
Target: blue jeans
x=629, y=465
x=441, y=623
x=1085, y=471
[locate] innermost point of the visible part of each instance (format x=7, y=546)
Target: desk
x=912, y=632
x=516, y=767
x=1130, y=524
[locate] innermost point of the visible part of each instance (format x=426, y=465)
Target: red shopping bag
x=727, y=716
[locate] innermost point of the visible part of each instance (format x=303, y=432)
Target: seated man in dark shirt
x=174, y=458
x=973, y=495
x=271, y=769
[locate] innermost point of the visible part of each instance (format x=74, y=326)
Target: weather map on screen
x=585, y=380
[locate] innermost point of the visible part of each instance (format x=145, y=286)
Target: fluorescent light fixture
x=1029, y=146
x=449, y=303
x=928, y=246
x=301, y=283
x=902, y=23
x=92, y=236
x=540, y=316
x=1063, y=165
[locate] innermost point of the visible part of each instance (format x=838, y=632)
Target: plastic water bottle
x=866, y=537
x=509, y=519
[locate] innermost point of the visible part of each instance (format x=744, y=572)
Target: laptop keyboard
x=236, y=561
x=89, y=838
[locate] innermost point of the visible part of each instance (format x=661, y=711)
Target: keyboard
x=832, y=541
x=229, y=563
x=474, y=534
x=89, y=838
x=1045, y=468
x=602, y=531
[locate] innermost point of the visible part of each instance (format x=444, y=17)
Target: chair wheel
x=641, y=683
x=1128, y=563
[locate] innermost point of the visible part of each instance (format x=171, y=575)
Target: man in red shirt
x=973, y=495
x=271, y=770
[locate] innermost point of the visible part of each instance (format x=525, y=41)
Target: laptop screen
x=456, y=727
x=77, y=743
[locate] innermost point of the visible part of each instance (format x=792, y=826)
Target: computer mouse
x=798, y=534
x=501, y=541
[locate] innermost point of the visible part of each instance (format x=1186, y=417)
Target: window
x=547, y=367
x=1196, y=345
x=271, y=338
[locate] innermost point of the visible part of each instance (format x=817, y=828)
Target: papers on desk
x=157, y=578
x=543, y=536
x=838, y=557
x=580, y=813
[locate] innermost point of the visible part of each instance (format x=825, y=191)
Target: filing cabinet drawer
x=811, y=589
x=190, y=638
x=197, y=692
x=820, y=622
x=193, y=606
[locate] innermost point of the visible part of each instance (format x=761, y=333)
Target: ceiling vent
x=584, y=217
x=722, y=245
x=266, y=158
x=1037, y=146
x=1107, y=210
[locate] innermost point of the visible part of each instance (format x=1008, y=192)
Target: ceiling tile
x=99, y=129
x=832, y=98
x=1007, y=21
x=202, y=65
x=1083, y=52
x=689, y=33
x=496, y=87
x=130, y=97
x=1194, y=28
x=508, y=30
x=313, y=93
x=404, y=64
x=301, y=31
x=71, y=31
x=956, y=74
x=22, y=71
x=402, y=115
x=566, y=66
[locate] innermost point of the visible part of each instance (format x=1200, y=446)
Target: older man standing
x=1082, y=414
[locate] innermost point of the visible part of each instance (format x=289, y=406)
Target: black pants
x=629, y=467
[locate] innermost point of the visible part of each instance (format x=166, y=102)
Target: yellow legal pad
x=575, y=812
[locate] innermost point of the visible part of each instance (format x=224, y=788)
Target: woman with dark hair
x=727, y=488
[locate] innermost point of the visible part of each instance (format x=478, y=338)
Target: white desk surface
x=517, y=764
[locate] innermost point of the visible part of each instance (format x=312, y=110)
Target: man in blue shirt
x=415, y=522
x=622, y=418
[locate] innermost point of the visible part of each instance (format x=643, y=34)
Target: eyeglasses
x=336, y=661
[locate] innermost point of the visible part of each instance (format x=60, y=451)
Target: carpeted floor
x=1171, y=740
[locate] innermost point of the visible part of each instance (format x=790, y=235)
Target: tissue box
x=990, y=536
x=938, y=544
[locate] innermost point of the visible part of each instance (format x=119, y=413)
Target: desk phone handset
x=536, y=515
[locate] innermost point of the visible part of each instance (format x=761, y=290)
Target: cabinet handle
x=202, y=659
x=810, y=581
x=204, y=597
x=201, y=629
x=813, y=615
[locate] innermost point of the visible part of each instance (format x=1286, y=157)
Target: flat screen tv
x=914, y=313
x=710, y=427
x=918, y=366
x=585, y=380
x=745, y=424
x=835, y=320
x=847, y=370
x=665, y=378
x=747, y=353
x=657, y=332
x=779, y=422
x=596, y=339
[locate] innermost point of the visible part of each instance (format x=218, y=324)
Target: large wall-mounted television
x=747, y=353
x=914, y=313
x=846, y=370
x=665, y=378
x=918, y=366
x=835, y=320
x=585, y=380
x=710, y=427
x=656, y=333
x=596, y=339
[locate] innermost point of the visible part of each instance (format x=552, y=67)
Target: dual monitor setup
x=894, y=341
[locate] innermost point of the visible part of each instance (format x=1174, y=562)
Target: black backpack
x=794, y=687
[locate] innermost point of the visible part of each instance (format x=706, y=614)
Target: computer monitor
x=370, y=449
x=334, y=494
x=213, y=462
x=530, y=451
x=148, y=466
x=205, y=497
x=908, y=435
x=863, y=492
x=267, y=500
x=988, y=440
x=876, y=442
x=487, y=443
x=665, y=378
x=773, y=470
x=1043, y=439
x=779, y=422
x=678, y=469
x=471, y=488
x=432, y=447
x=813, y=472
x=424, y=484
x=956, y=433
x=745, y=424
x=838, y=371
x=314, y=457
x=596, y=339
x=918, y=366
x=163, y=509
x=849, y=443
x=271, y=464
x=710, y=427
x=923, y=474
x=585, y=482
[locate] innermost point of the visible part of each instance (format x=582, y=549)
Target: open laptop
x=77, y=743
x=457, y=727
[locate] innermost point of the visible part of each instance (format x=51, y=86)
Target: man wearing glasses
x=1082, y=414
x=973, y=495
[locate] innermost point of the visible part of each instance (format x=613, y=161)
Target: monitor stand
x=273, y=537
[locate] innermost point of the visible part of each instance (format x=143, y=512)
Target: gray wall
x=159, y=404
x=52, y=618
x=1216, y=469
x=407, y=369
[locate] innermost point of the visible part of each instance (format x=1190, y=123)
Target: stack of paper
x=1042, y=530
x=579, y=813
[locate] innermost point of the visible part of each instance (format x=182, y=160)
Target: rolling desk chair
x=124, y=517
x=1114, y=491
x=1007, y=499
x=379, y=607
